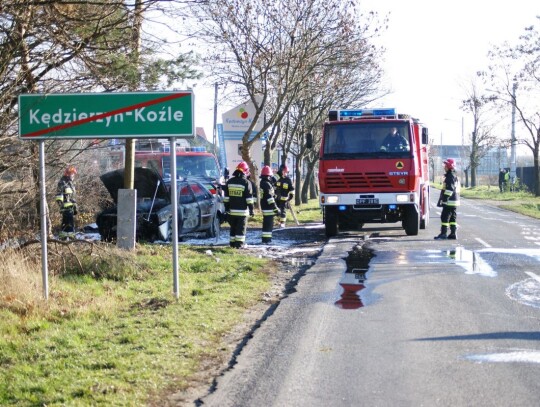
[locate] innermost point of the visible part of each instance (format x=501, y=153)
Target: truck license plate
x=367, y=201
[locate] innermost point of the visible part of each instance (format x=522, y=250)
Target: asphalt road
x=385, y=319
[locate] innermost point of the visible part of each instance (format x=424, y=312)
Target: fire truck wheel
x=331, y=223
x=411, y=222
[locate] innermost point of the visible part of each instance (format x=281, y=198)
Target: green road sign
x=106, y=115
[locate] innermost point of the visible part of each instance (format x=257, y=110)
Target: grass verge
x=521, y=202
x=112, y=332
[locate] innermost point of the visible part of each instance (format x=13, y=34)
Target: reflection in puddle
x=352, y=284
x=471, y=261
x=353, y=279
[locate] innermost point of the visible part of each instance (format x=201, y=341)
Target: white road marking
x=530, y=274
x=482, y=242
x=523, y=356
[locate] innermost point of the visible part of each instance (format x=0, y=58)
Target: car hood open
x=145, y=182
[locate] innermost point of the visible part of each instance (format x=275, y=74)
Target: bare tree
x=515, y=75
x=274, y=52
x=481, y=138
x=64, y=47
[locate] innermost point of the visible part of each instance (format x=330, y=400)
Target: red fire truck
x=373, y=169
x=191, y=162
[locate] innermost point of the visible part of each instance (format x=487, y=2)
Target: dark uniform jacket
x=238, y=199
x=395, y=143
x=450, y=189
x=268, y=202
x=65, y=194
x=284, y=188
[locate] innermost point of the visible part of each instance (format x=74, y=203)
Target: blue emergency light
x=356, y=113
x=351, y=113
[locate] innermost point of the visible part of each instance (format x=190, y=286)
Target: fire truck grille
x=340, y=181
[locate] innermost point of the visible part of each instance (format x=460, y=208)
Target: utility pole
x=513, y=145
x=214, y=134
x=462, y=131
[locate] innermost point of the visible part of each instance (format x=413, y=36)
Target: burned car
x=197, y=208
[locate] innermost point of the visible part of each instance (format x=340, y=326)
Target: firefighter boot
x=452, y=234
x=442, y=235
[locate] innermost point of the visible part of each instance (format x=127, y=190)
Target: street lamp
x=462, y=128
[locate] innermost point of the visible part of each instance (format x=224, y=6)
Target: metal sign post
x=174, y=236
x=43, y=220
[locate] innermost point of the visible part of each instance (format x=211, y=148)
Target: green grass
x=112, y=333
x=306, y=213
x=521, y=202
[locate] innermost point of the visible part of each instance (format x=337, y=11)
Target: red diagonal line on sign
x=107, y=114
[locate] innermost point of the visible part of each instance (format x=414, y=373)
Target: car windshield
x=192, y=166
x=366, y=139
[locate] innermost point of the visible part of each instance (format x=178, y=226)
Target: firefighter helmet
x=266, y=170
x=243, y=167
x=70, y=170
x=450, y=163
x=284, y=168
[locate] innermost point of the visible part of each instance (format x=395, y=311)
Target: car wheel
x=106, y=232
x=214, y=228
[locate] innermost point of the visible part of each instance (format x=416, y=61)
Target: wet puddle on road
x=471, y=261
x=358, y=261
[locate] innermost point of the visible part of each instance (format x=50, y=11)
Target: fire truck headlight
x=402, y=198
x=332, y=199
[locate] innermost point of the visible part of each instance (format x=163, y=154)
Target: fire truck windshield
x=366, y=139
x=192, y=166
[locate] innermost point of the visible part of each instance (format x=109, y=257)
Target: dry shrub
x=99, y=261
x=20, y=282
x=21, y=286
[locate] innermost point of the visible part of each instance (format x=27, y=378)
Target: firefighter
x=394, y=141
x=268, y=203
x=238, y=203
x=502, y=174
x=65, y=198
x=284, y=193
x=449, y=201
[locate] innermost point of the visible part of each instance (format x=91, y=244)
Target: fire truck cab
x=373, y=169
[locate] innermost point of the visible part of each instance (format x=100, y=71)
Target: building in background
x=487, y=172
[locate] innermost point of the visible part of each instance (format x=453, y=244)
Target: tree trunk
x=313, y=187
x=536, y=173
x=298, y=182
x=473, y=177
